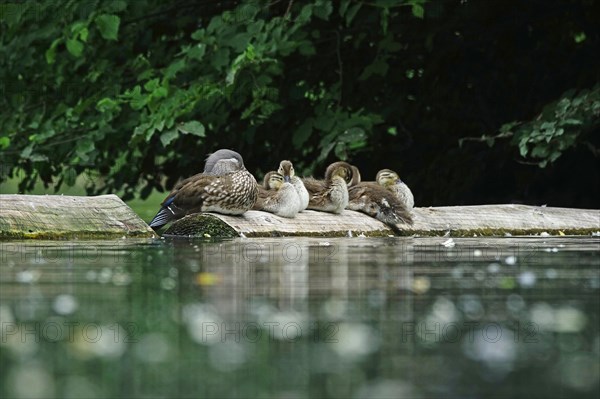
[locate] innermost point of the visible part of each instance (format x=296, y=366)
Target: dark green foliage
x=127, y=93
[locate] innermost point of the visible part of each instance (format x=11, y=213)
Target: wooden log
x=494, y=220
x=458, y=221
x=58, y=217
x=263, y=224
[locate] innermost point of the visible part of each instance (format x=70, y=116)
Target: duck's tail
x=167, y=213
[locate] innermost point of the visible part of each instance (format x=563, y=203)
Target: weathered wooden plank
x=262, y=224
x=58, y=216
x=459, y=221
x=515, y=219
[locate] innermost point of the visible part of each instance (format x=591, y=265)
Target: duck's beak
x=286, y=179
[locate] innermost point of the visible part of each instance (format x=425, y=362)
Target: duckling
x=331, y=194
x=356, y=178
x=390, y=180
x=231, y=193
x=375, y=201
x=286, y=169
x=277, y=196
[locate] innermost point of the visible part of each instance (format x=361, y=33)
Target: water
x=300, y=318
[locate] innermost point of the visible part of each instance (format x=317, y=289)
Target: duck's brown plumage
x=230, y=193
x=374, y=200
x=331, y=194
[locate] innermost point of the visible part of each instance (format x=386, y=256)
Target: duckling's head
x=355, y=177
x=286, y=169
x=273, y=181
x=387, y=177
x=339, y=169
x=235, y=161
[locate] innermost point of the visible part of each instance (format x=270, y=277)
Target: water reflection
x=300, y=318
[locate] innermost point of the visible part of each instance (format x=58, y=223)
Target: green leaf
x=384, y=18
x=167, y=137
x=4, y=142
x=116, y=5
x=523, y=150
x=418, y=11
x=302, y=134
x=27, y=151
x=84, y=147
x=107, y=104
x=75, y=47
x=340, y=151
x=343, y=7
x=378, y=67
x=197, y=52
x=151, y=85
x=579, y=37
x=108, y=25
x=193, y=127
x=51, y=52
x=198, y=35
x=352, y=13
x=323, y=9
x=305, y=14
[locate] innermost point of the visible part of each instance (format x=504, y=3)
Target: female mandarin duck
x=224, y=187
x=286, y=169
x=277, y=196
x=390, y=180
x=331, y=194
x=374, y=200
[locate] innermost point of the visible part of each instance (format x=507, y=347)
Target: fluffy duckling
x=356, y=178
x=375, y=201
x=331, y=194
x=391, y=181
x=286, y=169
x=277, y=196
x=372, y=199
x=231, y=193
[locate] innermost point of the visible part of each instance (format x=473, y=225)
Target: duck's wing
x=178, y=186
x=187, y=195
x=313, y=185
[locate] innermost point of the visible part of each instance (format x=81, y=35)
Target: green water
x=301, y=318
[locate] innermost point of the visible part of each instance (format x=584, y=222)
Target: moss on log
x=458, y=221
x=60, y=217
x=262, y=224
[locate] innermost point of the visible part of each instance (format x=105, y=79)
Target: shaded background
x=130, y=97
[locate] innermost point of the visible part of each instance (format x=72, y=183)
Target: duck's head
x=214, y=166
x=339, y=169
x=224, y=166
x=387, y=177
x=286, y=169
x=273, y=181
